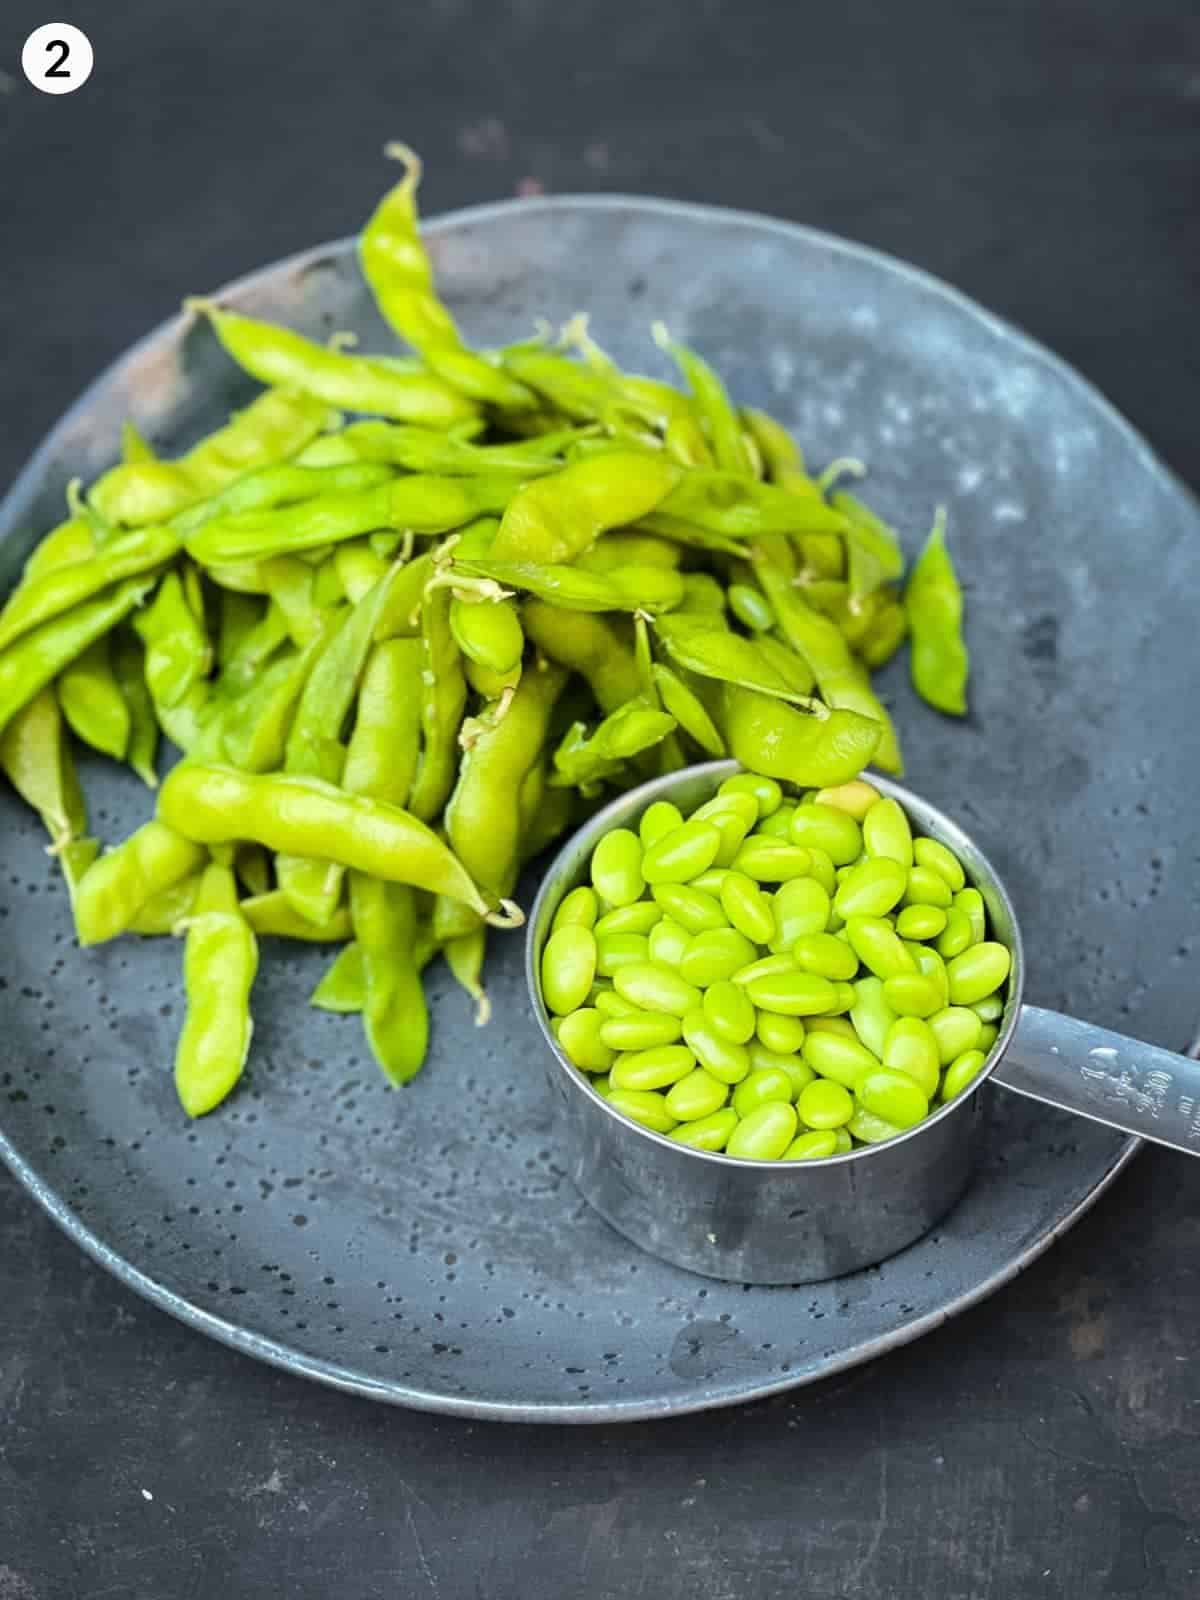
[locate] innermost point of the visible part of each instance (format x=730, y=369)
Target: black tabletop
x=1042, y=155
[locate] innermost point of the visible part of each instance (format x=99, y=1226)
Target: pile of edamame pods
x=402, y=651
x=774, y=980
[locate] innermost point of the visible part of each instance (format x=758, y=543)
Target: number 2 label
x=57, y=58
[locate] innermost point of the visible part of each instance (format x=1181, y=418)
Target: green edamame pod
x=395, y=1013
x=359, y=383
x=304, y=816
x=274, y=426
x=33, y=660
x=113, y=891
x=35, y=756
x=92, y=702
x=271, y=915
x=142, y=745
x=483, y=815
x=933, y=601
x=219, y=965
x=597, y=647
x=343, y=987
x=688, y=710
x=821, y=748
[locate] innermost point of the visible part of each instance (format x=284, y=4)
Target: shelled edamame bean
x=773, y=1020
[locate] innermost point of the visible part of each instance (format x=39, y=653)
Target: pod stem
x=507, y=915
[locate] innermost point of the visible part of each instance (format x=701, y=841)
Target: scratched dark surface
x=1042, y=158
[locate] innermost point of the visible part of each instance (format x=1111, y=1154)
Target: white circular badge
x=57, y=58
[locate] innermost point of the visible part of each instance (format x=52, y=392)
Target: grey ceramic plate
x=423, y=1247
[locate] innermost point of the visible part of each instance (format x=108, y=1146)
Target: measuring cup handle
x=1104, y=1076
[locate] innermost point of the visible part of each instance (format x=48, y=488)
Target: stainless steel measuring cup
x=797, y=1222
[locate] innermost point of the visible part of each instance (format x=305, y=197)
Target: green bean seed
x=667, y=940
x=987, y=1037
x=795, y=994
x=617, y=868
x=878, y=946
x=978, y=972
x=970, y=902
x=844, y=1142
x=845, y=1061
x=742, y=805
x=726, y=1060
x=765, y=967
x=826, y=955
x=761, y=1085
x=715, y=954
x=611, y=1004
x=728, y=1008
x=691, y=908
x=799, y=907
x=697, y=1096
x=921, y=922
x=955, y=937
x=798, y=1071
x=643, y=1106
x=870, y=1129
x=812, y=1146
x=927, y=888
x=911, y=1047
x=616, y=950
x=581, y=1036
x=829, y=829
x=844, y=997
x=639, y=1030
x=894, y=1097
x=911, y=994
x=855, y=798
x=824, y=1104
x=765, y=790
x=710, y=1133
x=639, y=917
x=822, y=870
x=886, y=832
x=871, y=888
x=930, y=965
x=601, y=1085
x=778, y=825
x=771, y=860
x=580, y=907
x=764, y=1134
x=681, y=854
x=840, y=1025
x=568, y=967
x=955, y=1029
x=655, y=1068
x=656, y=988
x=964, y=1069
x=748, y=907
x=658, y=819
x=989, y=1009
x=710, y=882
x=784, y=1035
x=871, y=1014
x=931, y=853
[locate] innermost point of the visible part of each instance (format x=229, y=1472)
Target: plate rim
x=288, y=1358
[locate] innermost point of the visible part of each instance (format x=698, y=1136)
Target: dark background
x=1041, y=156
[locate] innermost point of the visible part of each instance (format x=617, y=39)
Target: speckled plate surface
x=423, y=1247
